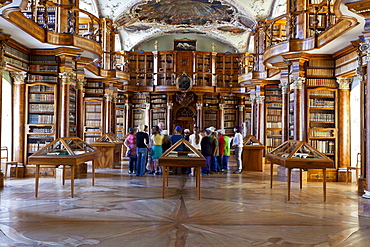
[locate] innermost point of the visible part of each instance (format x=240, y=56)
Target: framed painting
x=185, y=45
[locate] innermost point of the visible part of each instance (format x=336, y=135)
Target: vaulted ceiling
x=230, y=22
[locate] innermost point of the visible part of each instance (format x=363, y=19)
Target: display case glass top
x=298, y=150
x=251, y=140
x=67, y=146
x=186, y=151
x=109, y=138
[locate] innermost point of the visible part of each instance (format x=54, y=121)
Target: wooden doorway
x=185, y=118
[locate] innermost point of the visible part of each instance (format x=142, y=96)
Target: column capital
x=147, y=106
x=66, y=77
x=221, y=106
x=297, y=82
x=169, y=106
x=80, y=83
x=284, y=86
x=127, y=106
x=252, y=98
x=260, y=99
x=241, y=107
x=365, y=49
x=108, y=96
x=18, y=77
x=344, y=83
x=199, y=106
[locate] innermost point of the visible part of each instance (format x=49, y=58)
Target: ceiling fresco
x=230, y=21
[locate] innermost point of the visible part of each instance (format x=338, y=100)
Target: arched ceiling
x=230, y=22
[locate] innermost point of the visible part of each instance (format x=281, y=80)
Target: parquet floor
x=235, y=210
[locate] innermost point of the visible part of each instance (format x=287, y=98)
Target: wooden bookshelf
x=248, y=115
x=319, y=17
x=94, y=89
x=230, y=114
x=203, y=68
x=41, y=116
x=16, y=58
x=227, y=69
x=211, y=111
x=44, y=16
x=93, y=127
x=291, y=129
x=158, y=104
x=138, y=109
x=166, y=68
x=273, y=100
x=141, y=68
x=120, y=116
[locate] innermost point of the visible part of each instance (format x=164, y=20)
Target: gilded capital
x=221, y=106
x=344, y=83
x=284, y=87
x=169, y=106
x=260, y=99
x=108, y=96
x=147, y=106
x=241, y=107
x=80, y=83
x=65, y=77
x=199, y=106
x=365, y=49
x=297, y=82
x=18, y=77
x=252, y=98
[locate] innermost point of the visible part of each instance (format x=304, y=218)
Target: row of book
x=274, y=111
x=273, y=142
x=273, y=125
x=346, y=68
x=321, y=133
x=95, y=84
x=96, y=123
x=139, y=116
x=40, y=119
x=120, y=112
x=16, y=53
x=346, y=58
x=325, y=117
x=138, y=122
x=17, y=63
x=47, y=108
x=326, y=147
x=93, y=107
x=41, y=88
x=42, y=59
x=323, y=93
x=273, y=132
x=273, y=118
x=320, y=72
x=159, y=101
x=319, y=103
x=42, y=78
x=321, y=82
x=229, y=125
x=41, y=97
x=34, y=147
x=34, y=129
x=94, y=90
x=159, y=115
x=229, y=117
x=93, y=115
x=43, y=68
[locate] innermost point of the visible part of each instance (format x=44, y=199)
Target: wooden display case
x=252, y=154
x=297, y=154
x=68, y=151
x=109, y=147
x=191, y=158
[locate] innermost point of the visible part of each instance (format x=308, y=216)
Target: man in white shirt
x=238, y=148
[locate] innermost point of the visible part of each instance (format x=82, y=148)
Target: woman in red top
x=130, y=143
x=221, y=146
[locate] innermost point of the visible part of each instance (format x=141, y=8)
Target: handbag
x=128, y=153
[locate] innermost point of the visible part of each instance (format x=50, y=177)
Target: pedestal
x=1, y=180
x=252, y=158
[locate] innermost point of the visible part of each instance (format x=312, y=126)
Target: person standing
x=156, y=152
x=225, y=157
x=142, y=141
x=161, y=127
x=221, y=148
x=195, y=140
x=207, y=146
x=215, y=166
x=238, y=148
x=177, y=137
x=130, y=143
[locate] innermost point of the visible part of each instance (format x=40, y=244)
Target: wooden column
x=344, y=140
x=252, y=99
x=285, y=110
x=260, y=107
x=64, y=103
x=299, y=123
x=169, y=117
x=241, y=115
x=222, y=117
x=80, y=83
x=367, y=124
x=147, y=115
x=199, y=115
x=128, y=114
x=108, y=117
x=19, y=115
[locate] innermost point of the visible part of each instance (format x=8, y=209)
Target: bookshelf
x=16, y=58
x=138, y=109
x=166, y=68
x=72, y=112
x=322, y=131
x=158, y=104
x=41, y=116
x=211, y=111
x=203, y=68
x=230, y=114
x=278, y=32
x=291, y=119
x=320, y=17
x=346, y=64
x=141, y=68
x=227, y=69
x=248, y=115
x=94, y=89
x=120, y=116
x=44, y=16
x=93, y=120
x=274, y=111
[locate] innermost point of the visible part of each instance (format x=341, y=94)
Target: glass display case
x=109, y=147
x=64, y=151
x=187, y=156
x=297, y=154
x=252, y=154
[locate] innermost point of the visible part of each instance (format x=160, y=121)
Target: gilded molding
x=80, y=83
x=18, y=77
x=344, y=83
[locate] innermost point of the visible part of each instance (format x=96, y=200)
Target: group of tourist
x=144, y=150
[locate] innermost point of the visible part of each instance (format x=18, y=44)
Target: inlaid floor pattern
x=234, y=210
